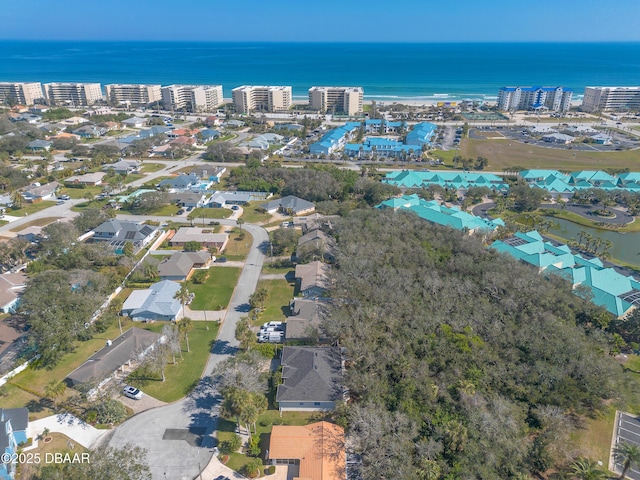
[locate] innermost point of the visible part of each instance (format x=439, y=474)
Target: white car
x=132, y=392
x=272, y=324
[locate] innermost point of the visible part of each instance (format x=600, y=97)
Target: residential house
x=188, y=199
x=115, y=357
x=264, y=141
x=304, y=321
x=89, y=131
x=208, y=135
x=136, y=122
x=315, y=451
x=111, y=126
x=220, y=199
x=187, y=142
x=13, y=432
x=179, y=266
x=65, y=136
x=11, y=285
x=74, y=121
x=94, y=178
x=319, y=242
x=204, y=236
x=123, y=167
x=312, y=279
x=157, y=302
x=119, y=232
x=32, y=234
x=311, y=379
x=39, y=146
x=290, y=205
x=233, y=124
x=154, y=131
x=213, y=121
x=181, y=182
x=213, y=174
x=37, y=193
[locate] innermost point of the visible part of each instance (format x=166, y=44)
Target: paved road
x=627, y=430
x=179, y=437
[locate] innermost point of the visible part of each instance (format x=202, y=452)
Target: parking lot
x=627, y=430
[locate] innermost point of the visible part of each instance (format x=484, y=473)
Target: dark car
x=180, y=212
x=221, y=260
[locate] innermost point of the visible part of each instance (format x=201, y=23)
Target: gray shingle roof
x=290, y=202
x=310, y=374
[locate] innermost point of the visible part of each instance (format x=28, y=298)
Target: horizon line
x=355, y=42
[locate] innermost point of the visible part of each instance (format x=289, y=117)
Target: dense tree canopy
x=463, y=363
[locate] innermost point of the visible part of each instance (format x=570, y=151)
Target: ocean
x=388, y=72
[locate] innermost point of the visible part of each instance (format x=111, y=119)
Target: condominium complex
x=132, y=94
x=346, y=100
x=73, y=94
x=21, y=93
x=555, y=99
x=611, y=98
x=251, y=98
x=195, y=98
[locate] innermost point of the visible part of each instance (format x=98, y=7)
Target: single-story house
x=154, y=131
x=290, y=205
x=204, y=236
x=90, y=131
x=118, y=232
x=11, y=284
x=208, y=134
x=123, y=166
x=311, y=379
x=6, y=200
x=188, y=199
x=32, y=234
x=157, y=302
x=219, y=199
x=111, y=126
x=205, y=172
x=319, y=241
x=183, y=142
x=39, y=145
x=312, y=279
x=124, y=351
x=136, y=122
x=25, y=117
x=65, y=136
x=233, y=124
x=13, y=432
x=94, y=178
x=74, y=121
x=304, y=321
x=38, y=193
x=180, y=182
x=318, y=449
x=179, y=266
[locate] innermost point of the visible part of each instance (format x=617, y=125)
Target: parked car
x=60, y=202
x=132, y=392
x=65, y=197
x=180, y=212
x=189, y=209
x=235, y=207
x=272, y=324
x=221, y=260
x=273, y=337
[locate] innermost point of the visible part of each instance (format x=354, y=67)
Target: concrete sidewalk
x=74, y=428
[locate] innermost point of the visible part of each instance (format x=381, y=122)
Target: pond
x=626, y=246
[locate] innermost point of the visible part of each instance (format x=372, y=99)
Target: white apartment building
x=132, y=94
x=73, y=94
x=249, y=98
x=195, y=98
x=21, y=93
x=611, y=98
x=346, y=100
x=555, y=99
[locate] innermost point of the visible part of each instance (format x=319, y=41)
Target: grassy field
x=38, y=222
x=152, y=183
x=184, y=375
x=504, y=154
x=76, y=193
x=132, y=177
x=166, y=210
x=276, y=307
x=59, y=443
x=594, y=440
x=268, y=268
x=92, y=204
x=30, y=208
x=251, y=214
x=216, y=292
x=148, y=167
x=12, y=396
x=210, y=213
x=238, y=246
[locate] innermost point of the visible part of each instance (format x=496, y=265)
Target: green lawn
x=13, y=397
x=148, y=167
x=216, y=292
x=82, y=192
x=238, y=245
x=3, y=222
x=268, y=268
x=38, y=222
x=505, y=153
x=276, y=307
x=184, y=375
x=210, y=213
x=153, y=183
x=594, y=440
x=132, y=177
x=166, y=210
x=580, y=220
x=251, y=214
x=30, y=208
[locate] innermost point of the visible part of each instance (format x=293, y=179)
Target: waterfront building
x=250, y=98
x=73, y=94
x=611, y=98
x=346, y=100
x=555, y=99
x=192, y=97
x=334, y=140
x=21, y=93
x=133, y=94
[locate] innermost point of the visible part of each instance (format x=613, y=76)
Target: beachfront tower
x=132, y=94
x=554, y=99
x=611, y=99
x=252, y=98
x=73, y=94
x=21, y=93
x=194, y=98
x=345, y=100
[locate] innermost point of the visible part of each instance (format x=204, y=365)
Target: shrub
x=235, y=442
x=252, y=469
x=254, y=446
x=200, y=276
x=270, y=470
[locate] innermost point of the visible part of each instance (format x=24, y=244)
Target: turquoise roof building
x=421, y=134
x=449, y=180
x=605, y=287
x=432, y=211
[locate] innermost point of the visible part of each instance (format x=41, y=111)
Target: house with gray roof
x=311, y=379
x=188, y=199
x=93, y=178
x=304, y=321
x=137, y=122
x=39, y=145
x=157, y=302
x=13, y=432
x=312, y=279
x=179, y=266
x=118, y=232
x=37, y=193
x=290, y=205
x=317, y=242
x=204, y=236
x=123, y=167
x=181, y=182
x=11, y=285
x=89, y=131
x=124, y=351
x=219, y=199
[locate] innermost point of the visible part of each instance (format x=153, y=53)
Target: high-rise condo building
x=132, y=94
x=555, y=99
x=21, y=93
x=250, y=98
x=195, y=98
x=611, y=98
x=346, y=100
x=72, y=93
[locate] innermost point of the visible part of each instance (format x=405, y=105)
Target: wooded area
x=462, y=363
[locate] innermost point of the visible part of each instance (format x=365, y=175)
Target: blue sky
x=322, y=20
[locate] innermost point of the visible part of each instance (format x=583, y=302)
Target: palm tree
x=184, y=327
x=585, y=469
x=183, y=295
x=627, y=454
x=580, y=235
x=54, y=389
x=587, y=241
